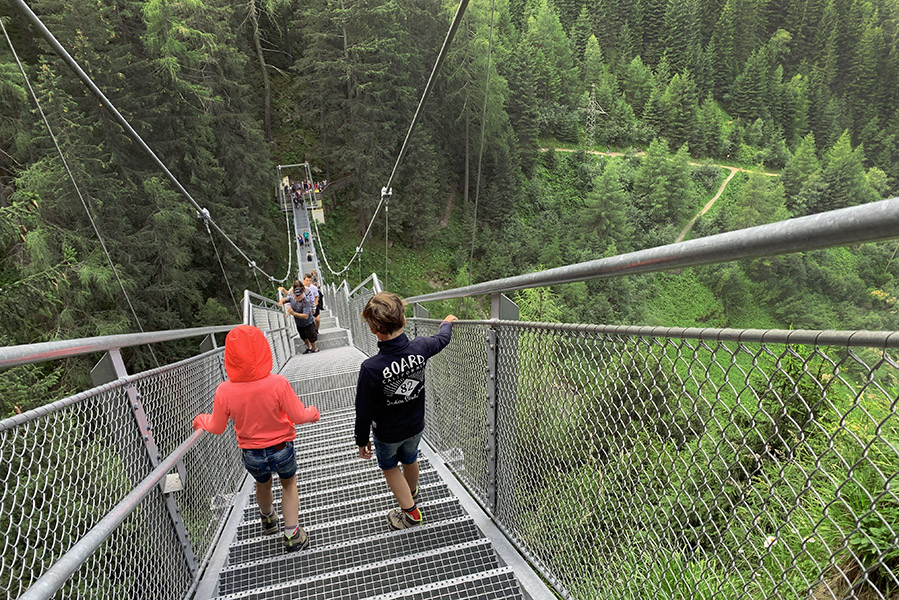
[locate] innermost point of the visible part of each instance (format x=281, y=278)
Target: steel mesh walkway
x=343, y=506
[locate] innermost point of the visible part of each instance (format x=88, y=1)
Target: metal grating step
x=383, y=577
x=346, y=464
x=327, y=400
x=339, y=496
x=320, y=561
x=334, y=446
x=495, y=584
x=314, y=486
x=342, y=531
x=328, y=382
x=367, y=470
x=310, y=458
x=377, y=504
x=329, y=426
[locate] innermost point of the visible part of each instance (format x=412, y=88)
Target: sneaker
x=415, y=495
x=399, y=519
x=308, y=351
x=298, y=541
x=269, y=523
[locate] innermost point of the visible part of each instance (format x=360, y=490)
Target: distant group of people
x=297, y=190
x=390, y=407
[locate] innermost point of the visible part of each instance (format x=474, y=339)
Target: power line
x=87, y=81
x=75, y=185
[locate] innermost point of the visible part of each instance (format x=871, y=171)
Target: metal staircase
x=343, y=505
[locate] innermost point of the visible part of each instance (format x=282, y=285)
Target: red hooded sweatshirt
x=262, y=405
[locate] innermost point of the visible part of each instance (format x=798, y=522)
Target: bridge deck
x=343, y=506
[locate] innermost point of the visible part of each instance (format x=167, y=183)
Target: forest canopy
x=804, y=90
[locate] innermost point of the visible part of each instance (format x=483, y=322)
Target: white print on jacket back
x=403, y=378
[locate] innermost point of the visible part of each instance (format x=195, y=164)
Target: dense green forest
x=223, y=92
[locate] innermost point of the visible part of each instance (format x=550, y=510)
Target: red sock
x=413, y=512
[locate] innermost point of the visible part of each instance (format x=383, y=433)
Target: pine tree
x=580, y=34
x=760, y=200
x=721, y=53
x=864, y=90
x=638, y=84
x=523, y=88
x=748, y=100
x=678, y=106
x=559, y=73
x=653, y=23
x=663, y=190
x=680, y=35
x=843, y=176
x=708, y=139
x=594, y=65
x=800, y=167
x=607, y=209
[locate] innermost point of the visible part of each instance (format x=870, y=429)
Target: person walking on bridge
x=302, y=309
x=390, y=401
x=264, y=409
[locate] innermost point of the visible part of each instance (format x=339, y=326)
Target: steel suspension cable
x=227, y=283
x=460, y=11
x=450, y=34
x=87, y=81
x=477, y=187
x=65, y=164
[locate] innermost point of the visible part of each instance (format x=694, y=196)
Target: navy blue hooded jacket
x=390, y=394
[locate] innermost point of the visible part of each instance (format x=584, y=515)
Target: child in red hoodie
x=264, y=409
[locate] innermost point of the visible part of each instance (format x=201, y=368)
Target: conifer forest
x=796, y=99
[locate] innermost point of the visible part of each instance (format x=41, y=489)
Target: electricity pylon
x=593, y=108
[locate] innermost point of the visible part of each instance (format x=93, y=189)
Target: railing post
x=491, y=419
x=169, y=485
x=247, y=308
x=419, y=312
x=501, y=309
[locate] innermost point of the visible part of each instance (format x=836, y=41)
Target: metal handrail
x=811, y=337
x=71, y=561
x=265, y=299
x=856, y=224
x=376, y=284
x=24, y=354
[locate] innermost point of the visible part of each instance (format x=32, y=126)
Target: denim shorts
x=262, y=462
x=405, y=452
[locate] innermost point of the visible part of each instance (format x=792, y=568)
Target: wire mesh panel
x=278, y=329
x=456, y=401
x=213, y=469
x=658, y=467
x=64, y=467
x=363, y=338
x=348, y=313
x=60, y=473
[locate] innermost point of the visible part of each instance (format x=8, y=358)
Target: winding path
x=708, y=205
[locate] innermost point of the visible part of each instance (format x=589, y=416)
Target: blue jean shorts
x=405, y=452
x=262, y=462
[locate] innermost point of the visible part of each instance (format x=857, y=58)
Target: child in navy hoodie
x=390, y=401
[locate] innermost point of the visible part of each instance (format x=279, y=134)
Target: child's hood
x=247, y=354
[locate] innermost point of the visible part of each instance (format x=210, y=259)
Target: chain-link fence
x=663, y=463
x=348, y=310
x=268, y=316
x=65, y=465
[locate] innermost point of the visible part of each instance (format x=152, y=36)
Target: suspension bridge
x=559, y=460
